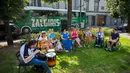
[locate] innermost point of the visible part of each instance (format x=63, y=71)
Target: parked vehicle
x=15, y=31
x=122, y=28
x=41, y=18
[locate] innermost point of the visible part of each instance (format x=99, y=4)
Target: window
x=96, y=5
x=102, y=7
x=33, y=2
x=57, y=5
x=86, y=5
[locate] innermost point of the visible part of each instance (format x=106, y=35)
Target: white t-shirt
x=88, y=34
x=30, y=51
x=100, y=34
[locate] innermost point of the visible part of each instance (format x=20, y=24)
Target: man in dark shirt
x=113, y=39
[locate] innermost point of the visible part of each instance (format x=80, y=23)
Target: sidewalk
x=126, y=35
x=4, y=43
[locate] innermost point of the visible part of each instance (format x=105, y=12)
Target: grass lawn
x=83, y=60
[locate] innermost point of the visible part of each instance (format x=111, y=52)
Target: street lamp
x=80, y=11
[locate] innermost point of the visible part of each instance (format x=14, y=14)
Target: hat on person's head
x=43, y=32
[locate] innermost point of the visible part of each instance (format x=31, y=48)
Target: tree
x=69, y=12
x=10, y=10
x=69, y=16
x=120, y=9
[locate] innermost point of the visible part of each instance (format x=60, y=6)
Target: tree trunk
x=69, y=12
x=128, y=26
x=8, y=32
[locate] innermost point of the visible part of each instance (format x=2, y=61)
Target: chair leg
x=25, y=69
x=19, y=69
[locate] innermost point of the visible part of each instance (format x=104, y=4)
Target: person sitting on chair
x=74, y=36
x=43, y=41
x=56, y=43
x=67, y=42
x=99, y=37
x=88, y=36
x=113, y=39
x=29, y=54
x=52, y=37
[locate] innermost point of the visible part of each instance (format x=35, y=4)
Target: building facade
x=95, y=11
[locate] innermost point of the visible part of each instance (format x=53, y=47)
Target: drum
x=51, y=50
x=51, y=59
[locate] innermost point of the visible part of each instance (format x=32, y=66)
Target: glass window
x=86, y=5
x=96, y=5
x=102, y=7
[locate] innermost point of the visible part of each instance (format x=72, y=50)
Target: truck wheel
x=26, y=30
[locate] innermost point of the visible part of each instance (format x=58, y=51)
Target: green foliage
x=12, y=9
x=118, y=8
x=28, y=37
x=107, y=31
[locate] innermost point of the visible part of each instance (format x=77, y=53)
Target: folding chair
x=116, y=46
x=21, y=62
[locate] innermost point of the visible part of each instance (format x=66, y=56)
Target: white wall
x=61, y=5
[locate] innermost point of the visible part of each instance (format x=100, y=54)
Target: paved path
x=126, y=35
x=4, y=43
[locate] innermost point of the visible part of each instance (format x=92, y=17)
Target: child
x=88, y=35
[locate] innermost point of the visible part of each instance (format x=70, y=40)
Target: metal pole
x=80, y=12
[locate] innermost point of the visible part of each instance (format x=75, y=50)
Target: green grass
x=83, y=60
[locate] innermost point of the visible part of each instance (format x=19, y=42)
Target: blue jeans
x=36, y=61
x=99, y=41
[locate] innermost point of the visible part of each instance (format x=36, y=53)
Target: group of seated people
x=113, y=39
x=28, y=51
x=68, y=39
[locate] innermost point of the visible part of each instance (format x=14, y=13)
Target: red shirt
x=74, y=35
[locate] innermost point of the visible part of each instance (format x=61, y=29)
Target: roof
x=48, y=8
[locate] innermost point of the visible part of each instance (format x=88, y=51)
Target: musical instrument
x=51, y=59
x=42, y=43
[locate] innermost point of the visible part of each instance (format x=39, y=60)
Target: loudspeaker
x=63, y=24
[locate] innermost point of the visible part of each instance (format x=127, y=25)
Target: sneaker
x=99, y=46
x=80, y=46
x=110, y=49
x=96, y=45
x=66, y=51
x=106, y=48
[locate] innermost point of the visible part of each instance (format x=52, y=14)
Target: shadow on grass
x=64, y=64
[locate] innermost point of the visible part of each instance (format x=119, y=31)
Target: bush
x=107, y=31
x=28, y=37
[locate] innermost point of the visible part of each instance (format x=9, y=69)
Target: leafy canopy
x=118, y=8
x=11, y=8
